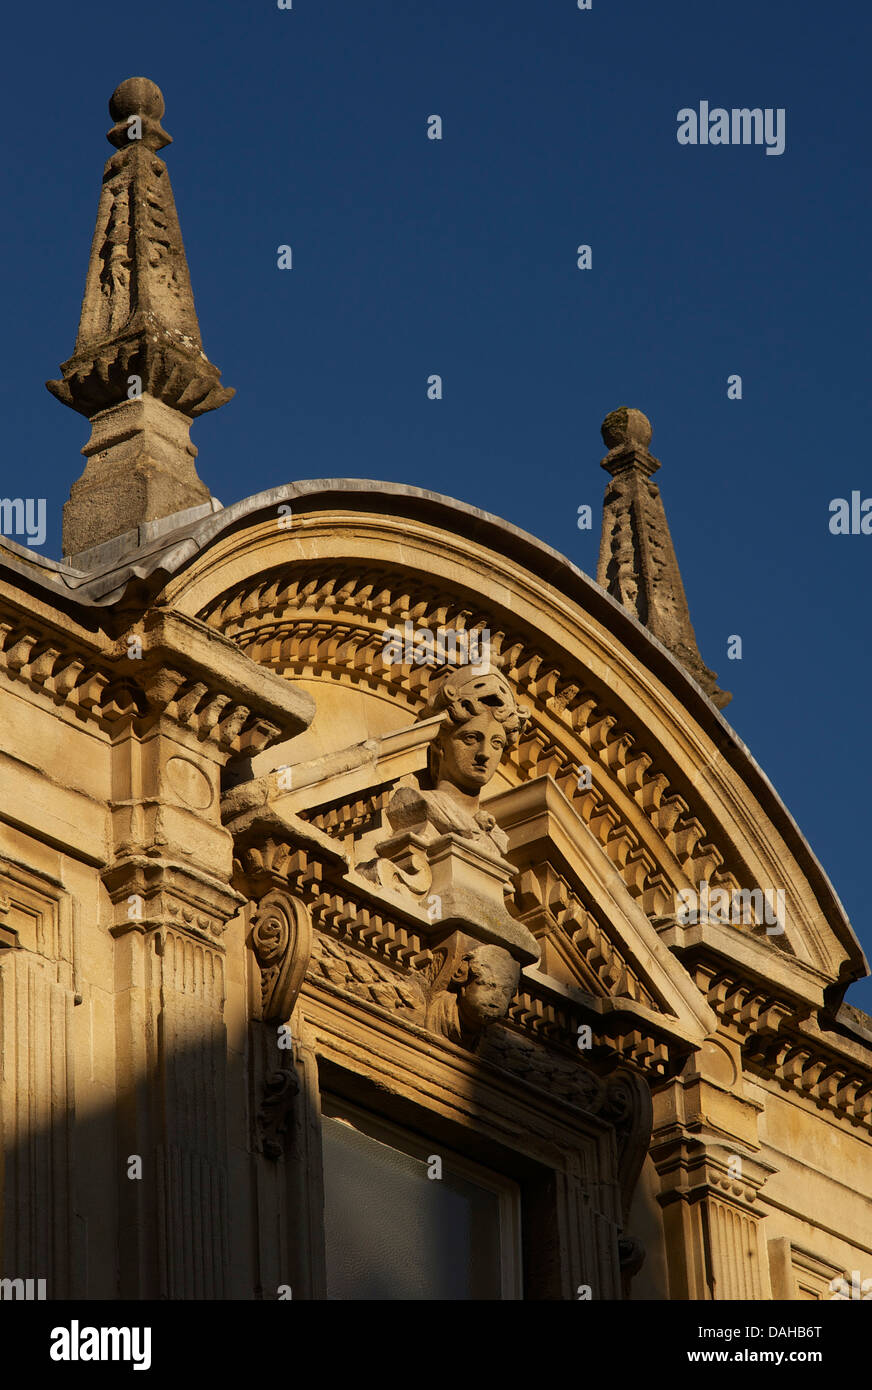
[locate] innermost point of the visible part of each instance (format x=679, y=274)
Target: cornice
x=167, y=665
x=326, y=618
x=162, y=553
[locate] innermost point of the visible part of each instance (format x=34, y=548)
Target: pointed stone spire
x=637, y=563
x=138, y=371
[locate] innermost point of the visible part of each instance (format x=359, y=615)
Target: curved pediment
x=665, y=788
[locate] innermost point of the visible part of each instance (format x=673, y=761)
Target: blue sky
x=458, y=257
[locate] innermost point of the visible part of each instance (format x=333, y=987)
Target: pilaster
x=707, y=1154
x=184, y=706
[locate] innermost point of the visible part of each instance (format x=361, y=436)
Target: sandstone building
x=347, y=836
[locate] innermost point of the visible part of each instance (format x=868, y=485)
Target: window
x=392, y=1232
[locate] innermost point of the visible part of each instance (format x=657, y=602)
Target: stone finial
x=138, y=98
x=637, y=563
x=626, y=426
x=138, y=371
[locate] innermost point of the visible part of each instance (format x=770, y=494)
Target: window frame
x=415, y=1145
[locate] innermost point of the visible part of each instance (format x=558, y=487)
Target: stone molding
x=311, y=620
x=372, y=919
x=181, y=675
x=396, y=952
x=781, y=1042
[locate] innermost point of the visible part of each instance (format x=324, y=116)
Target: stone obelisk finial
x=138, y=371
x=637, y=563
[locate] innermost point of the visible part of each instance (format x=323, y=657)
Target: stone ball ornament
x=137, y=99
x=136, y=96
x=626, y=425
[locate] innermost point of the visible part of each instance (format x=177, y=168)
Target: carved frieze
x=366, y=979
x=555, y=1073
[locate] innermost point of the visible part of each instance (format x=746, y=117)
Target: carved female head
x=481, y=721
x=486, y=981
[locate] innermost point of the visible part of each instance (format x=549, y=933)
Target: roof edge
x=167, y=553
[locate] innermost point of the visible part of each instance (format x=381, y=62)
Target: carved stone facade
x=275, y=899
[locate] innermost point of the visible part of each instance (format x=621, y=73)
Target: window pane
x=394, y=1233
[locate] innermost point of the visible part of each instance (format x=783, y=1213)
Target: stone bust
x=480, y=721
